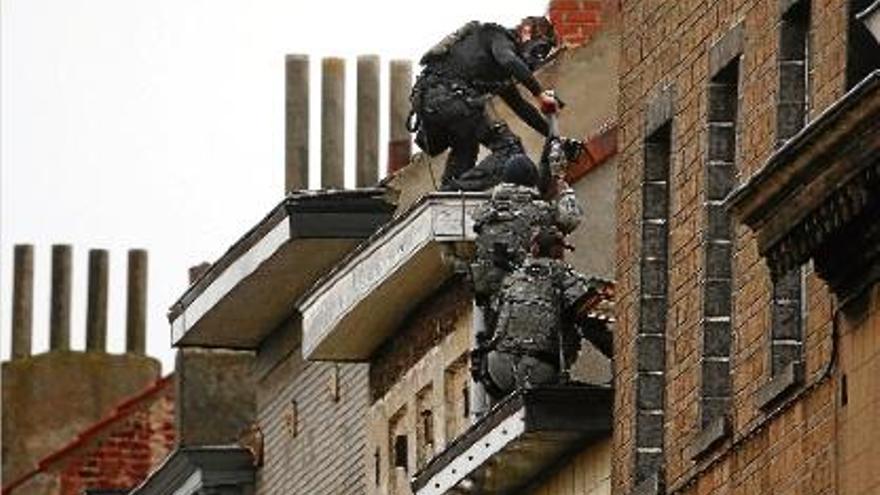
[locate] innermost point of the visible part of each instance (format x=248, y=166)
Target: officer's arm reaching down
x=524, y=110
x=504, y=52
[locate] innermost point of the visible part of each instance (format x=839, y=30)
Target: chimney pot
x=399, y=142
x=333, y=123
x=296, y=123
x=59, y=313
x=136, y=311
x=96, y=310
x=22, y=300
x=367, y=121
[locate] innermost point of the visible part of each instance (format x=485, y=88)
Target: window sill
x=709, y=437
x=772, y=392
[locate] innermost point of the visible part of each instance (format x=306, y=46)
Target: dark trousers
x=510, y=371
x=466, y=137
x=453, y=114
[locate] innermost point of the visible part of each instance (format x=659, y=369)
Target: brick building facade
x=115, y=453
x=747, y=339
x=728, y=380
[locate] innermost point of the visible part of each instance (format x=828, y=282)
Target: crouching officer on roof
x=543, y=304
x=461, y=73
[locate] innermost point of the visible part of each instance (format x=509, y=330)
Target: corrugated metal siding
x=326, y=455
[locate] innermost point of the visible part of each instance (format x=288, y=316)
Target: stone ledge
x=773, y=391
x=531, y=429
x=709, y=437
x=353, y=309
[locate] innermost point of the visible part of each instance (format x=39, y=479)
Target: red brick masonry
x=115, y=453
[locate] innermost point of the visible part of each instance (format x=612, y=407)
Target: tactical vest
x=530, y=310
x=504, y=225
x=438, y=64
x=441, y=49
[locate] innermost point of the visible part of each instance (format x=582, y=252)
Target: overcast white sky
x=159, y=124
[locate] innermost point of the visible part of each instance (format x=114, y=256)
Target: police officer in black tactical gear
x=460, y=74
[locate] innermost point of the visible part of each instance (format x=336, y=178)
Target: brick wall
x=858, y=424
x=116, y=453
x=576, y=20
x=127, y=454
x=669, y=45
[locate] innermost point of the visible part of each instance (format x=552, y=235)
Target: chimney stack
x=59, y=315
x=296, y=123
x=399, y=145
x=367, y=155
x=96, y=310
x=136, y=311
x=22, y=301
x=333, y=123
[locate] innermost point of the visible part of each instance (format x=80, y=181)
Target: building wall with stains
x=420, y=390
x=676, y=57
x=311, y=416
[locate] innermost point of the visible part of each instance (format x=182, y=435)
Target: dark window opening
x=291, y=419
x=794, y=63
x=466, y=401
x=424, y=426
x=377, y=466
x=400, y=452
x=720, y=179
x=651, y=337
x=794, y=71
x=862, y=49
x=428, y=424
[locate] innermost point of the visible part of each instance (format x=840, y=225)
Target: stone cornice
x=820, y=181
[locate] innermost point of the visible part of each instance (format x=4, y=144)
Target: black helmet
x=520, y=169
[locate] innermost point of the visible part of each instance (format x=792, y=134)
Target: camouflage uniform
x=535, y=331
x=504, y=227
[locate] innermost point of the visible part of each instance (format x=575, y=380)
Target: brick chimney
x=577, y=20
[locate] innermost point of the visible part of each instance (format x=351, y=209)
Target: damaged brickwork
x=116, y=453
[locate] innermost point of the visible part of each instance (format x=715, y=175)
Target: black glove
x=572, y=148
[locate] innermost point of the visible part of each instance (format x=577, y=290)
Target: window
x=456, y=398
x=653, y=269
x=786, y=321
x=400, y=452
x=377, y=466
x=791, y=105
x=333, y=385
x=291, y=419
x=398, y=448
x=720, y=174
x=862, y=50
x=425, y=426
